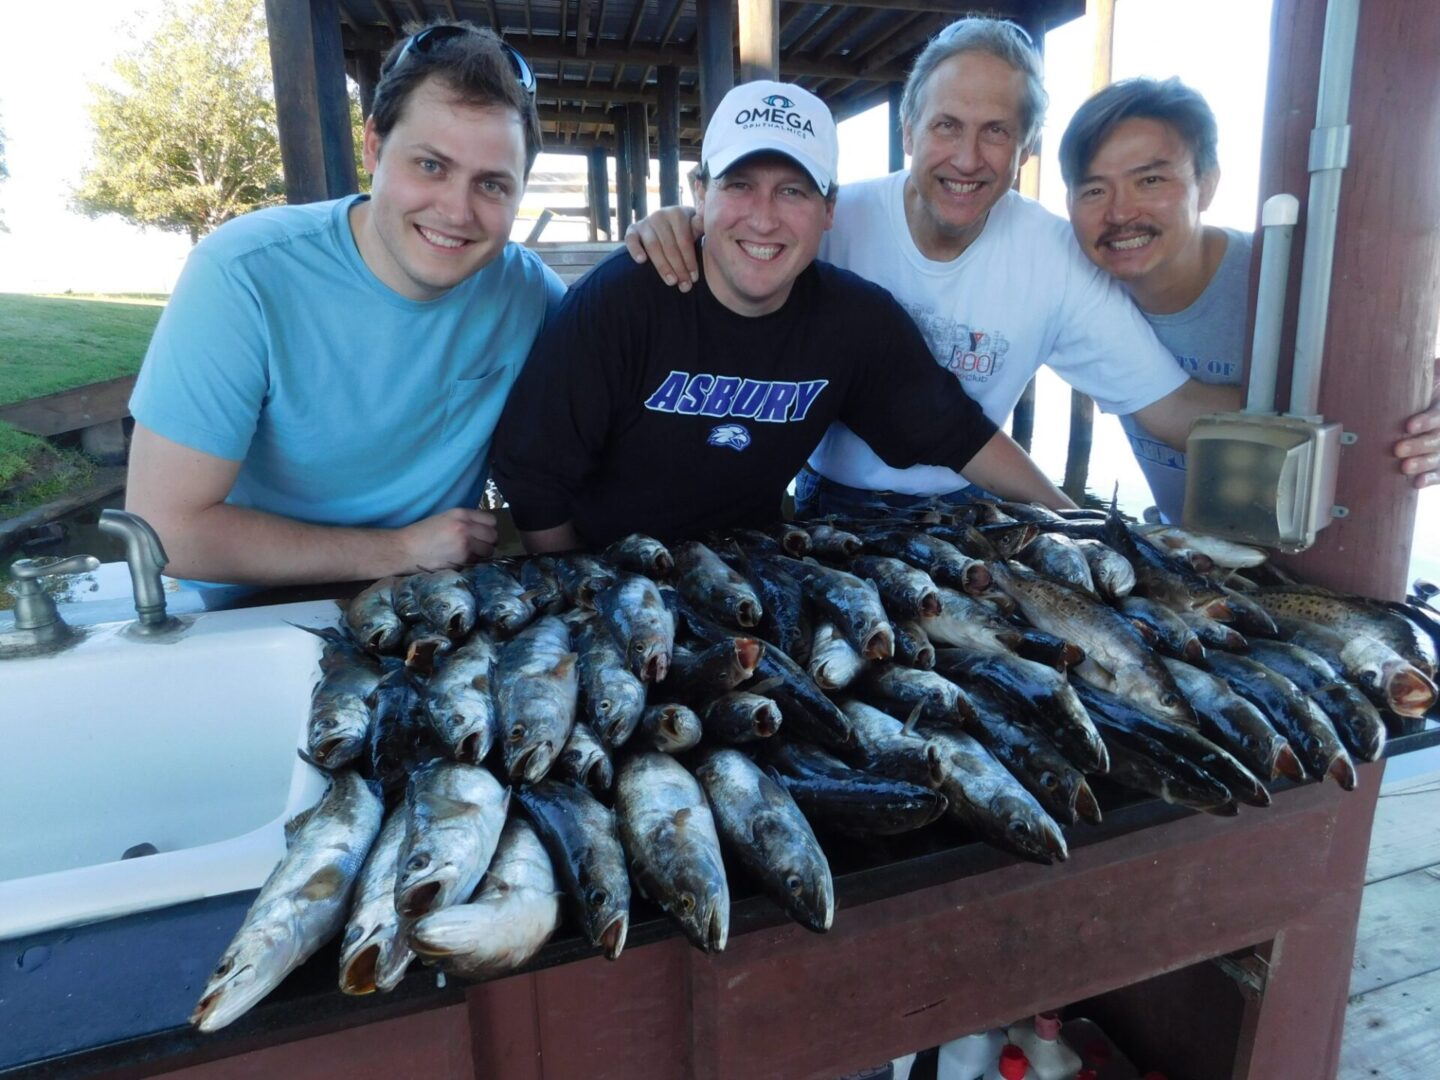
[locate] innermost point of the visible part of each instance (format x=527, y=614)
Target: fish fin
x=331, y=634
x=913, y=718
x=765, y=685
x=682, y=817
x=296, y=823
x=305, y=757
x=565, y=666
x=434, y=805
x=323, y=884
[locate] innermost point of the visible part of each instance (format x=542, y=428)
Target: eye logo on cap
x=779, y=101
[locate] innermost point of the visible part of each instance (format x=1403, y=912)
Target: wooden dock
x=1392, y=1025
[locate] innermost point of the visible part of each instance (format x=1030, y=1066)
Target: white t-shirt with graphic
x=1020, y=296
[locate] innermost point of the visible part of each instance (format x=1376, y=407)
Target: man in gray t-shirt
x=1140, y=167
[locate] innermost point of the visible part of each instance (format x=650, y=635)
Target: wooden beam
x=574, y=90
x=684, y=57
x=495, y=23
x=714, y=30
x=391, y=19
x=815, y=29
x=598, y=187
x=759, y=25
x=367, y=75
x=667, y=119
x=582, y=27
x=623, y=174
x=307, y=61
x=71, y=410
x=637, y=132
x=897, y=132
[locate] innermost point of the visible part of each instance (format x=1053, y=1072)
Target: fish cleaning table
x=927, y=944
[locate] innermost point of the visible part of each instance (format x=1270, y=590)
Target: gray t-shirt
x=1207, y=340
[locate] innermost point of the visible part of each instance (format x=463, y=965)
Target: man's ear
x=1208, y=183
x=370, y=150
x=907, y=139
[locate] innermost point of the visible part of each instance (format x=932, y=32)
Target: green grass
x=32, y=472
x=53, y=343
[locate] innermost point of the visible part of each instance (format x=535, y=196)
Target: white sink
x=186, y=744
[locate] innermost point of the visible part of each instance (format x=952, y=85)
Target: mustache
x=1129, y=232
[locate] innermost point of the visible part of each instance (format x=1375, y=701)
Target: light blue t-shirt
x=346, y=403
x=1207, y=340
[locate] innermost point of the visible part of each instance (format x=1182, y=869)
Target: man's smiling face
x=1136, y=210
x=764, y=219
x=447, y=182
x=966, y=147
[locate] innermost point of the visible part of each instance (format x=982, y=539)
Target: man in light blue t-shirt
x=1140, y=166
x=320, y=395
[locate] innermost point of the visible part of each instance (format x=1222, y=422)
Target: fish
x=301, y=906
x=1389, y=679
x=828, y=542
x=584, y=760
x=718, y=669
x=1168, y=776
x=423, y=647
x=1044, y=695
x=834, y=663
x=453, y=817
x=758, y=821
x=581, y=576
x=1356, y=721
x=893, y=748
x=1166, y=629
x=1111, y=572
x=1235, y=723
x=794, y=540
x=941, y=560
x=991, y=803
x=400, y=738
x=581, y=835
x=340, y=703
x=714, y=588
x=459, y=701
x=371, y=618
x=786, y=621
x=966, y=622
x=1294, y=715
x=1166, y=579
x=906, y=592
x=740, y=717
x=405, y=597
x=668, y=833
x=670, y=728
x=510, y=918
x=1121, y=720
x=1013, y=740
x=1352, y=617
x=900, y=690
x=536, y=686
x=641, y=624
x=1058, y=558
x=375, y=950
x=538, y=576
x=912, y=645
x=858, y=802
x=1221, y=552
x=502, y=604
x=446, y=603
x=1214, y=634
x=641, y=554
x=1115, y=658
x=612, y=698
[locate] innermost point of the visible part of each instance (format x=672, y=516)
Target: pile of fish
x=518, y=743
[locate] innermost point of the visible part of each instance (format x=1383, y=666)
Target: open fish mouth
x=880, y=645
x=748, y=652
x=654, y=667
x=612, y=938
x=717, y=930
x=1194, y=651
x=1409, y=692
x=470, y=748
x=418, y=899
x=765, y=721
x=329, y=749
x=358, y=975
x=977, y=578
x=1342, y=770
x=747, y=614
x=532, y=765
x=930, y=605
x=1086, y=805
x=1287, y=764
x=215, y=1010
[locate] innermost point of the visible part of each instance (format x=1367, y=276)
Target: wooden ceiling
x=592, y=55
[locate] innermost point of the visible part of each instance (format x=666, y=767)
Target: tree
x=190, y=140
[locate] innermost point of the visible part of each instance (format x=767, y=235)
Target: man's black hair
x=1170, y=102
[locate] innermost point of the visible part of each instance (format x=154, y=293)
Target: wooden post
x=639, y=151
x=759, y=39
x=367, y=75
x=1386, y=283
x=1082, y=406
x=623, y=207
x=897, y=128
x=312, y=103
x=667, y=119
x=714, y=28
x=599, y=185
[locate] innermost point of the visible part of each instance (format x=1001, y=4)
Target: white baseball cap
x=778, y=117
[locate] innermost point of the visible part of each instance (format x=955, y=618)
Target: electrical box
x=1262, y=479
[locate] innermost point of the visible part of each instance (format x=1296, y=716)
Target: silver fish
x=585, y=761
x=1057, y=557
x=908, y=592
x=834, y=663
x=641, y=554
x=612, y=697
x=446, y=603
x=302, y=904
x=375, y=952
x=642, y=625
x=536, y=685
x=459, y=701
x=502, y=604
x=704, y=579
x=668, y=833
x=1112, y=573
x=1220, y=552
x=515, y=912
x=740, y=717
x=670, y=728
x=340, y=703
x=453, y=817
x=372, y=620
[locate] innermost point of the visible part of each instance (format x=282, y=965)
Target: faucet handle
x=30, y=569
x=124, y=524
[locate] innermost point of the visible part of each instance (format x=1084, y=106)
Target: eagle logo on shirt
x=733, y=436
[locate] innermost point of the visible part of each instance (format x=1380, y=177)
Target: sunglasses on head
x=954, y=28
x=427, y=40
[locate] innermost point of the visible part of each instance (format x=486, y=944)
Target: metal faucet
x=38, y=625
x=146, y=558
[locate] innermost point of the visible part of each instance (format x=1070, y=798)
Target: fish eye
x=1169, y=700
x=517, y=733
x=1019, y=828
x=351, y=936
x=418, y=861
x=598, y=898
x=794, y=884
x=687, y=903
x=603, y=708
x=1049, y=781
x=224, y=967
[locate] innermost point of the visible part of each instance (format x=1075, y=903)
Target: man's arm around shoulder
x=182, y=492
x=1171, y=418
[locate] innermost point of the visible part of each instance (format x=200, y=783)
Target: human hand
x=667, y=240
x=450, y=540
x=1419, y=451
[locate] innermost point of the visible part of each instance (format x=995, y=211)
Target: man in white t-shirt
x=1141, y=165
x=994, y=280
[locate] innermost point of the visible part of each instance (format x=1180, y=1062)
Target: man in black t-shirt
x=646, y=410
